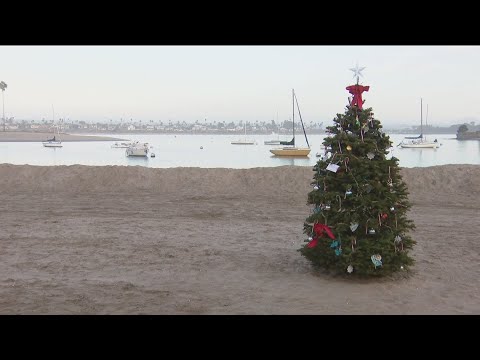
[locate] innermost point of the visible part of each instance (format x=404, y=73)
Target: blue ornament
x=334, y=244
x=338, y=251
x=377, y=260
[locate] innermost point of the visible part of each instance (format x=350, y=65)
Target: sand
x=22, y=136
x=135, y=240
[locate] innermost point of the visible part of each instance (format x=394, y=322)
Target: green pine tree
x=363, y=204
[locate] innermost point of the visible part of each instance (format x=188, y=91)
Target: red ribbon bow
x=318, y=229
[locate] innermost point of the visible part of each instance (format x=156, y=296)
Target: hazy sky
x=233, y=83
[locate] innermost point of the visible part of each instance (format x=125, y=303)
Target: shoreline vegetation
x=25, y=136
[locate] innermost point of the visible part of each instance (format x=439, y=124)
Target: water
x=184, y=151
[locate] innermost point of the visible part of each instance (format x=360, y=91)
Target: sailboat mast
x=301, y=120
x=293, y=115
x=426, y=120
x=421, y=117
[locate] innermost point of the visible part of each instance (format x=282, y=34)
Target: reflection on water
x=291, y=160
x=215, y=151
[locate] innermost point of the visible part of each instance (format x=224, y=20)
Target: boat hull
x=243, y=143
x=52, y=144
x=290, y=151
x=421, y=146
x=137, y=152
x=271, y=142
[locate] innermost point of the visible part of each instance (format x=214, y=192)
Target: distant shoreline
x=22, y=136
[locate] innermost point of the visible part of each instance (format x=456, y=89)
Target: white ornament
x=353, y=226
x=316, y=187
x=332, y=167
x=370, y=155
x=350, y=269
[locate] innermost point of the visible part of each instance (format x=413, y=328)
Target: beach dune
x=136, y=240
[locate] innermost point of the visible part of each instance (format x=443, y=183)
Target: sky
x=234, y=83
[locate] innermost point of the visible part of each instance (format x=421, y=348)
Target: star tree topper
x=357, y=90
x=357, y=71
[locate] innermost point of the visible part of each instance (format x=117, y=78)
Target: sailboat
x=276, y=141
x=290, y=149
x=55, y=141
x=244, y=141
x=419, y=141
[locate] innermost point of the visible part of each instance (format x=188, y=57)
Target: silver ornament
x=371, y=231
x=349, y=269
x=353, y=226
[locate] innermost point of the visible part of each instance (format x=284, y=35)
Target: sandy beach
x=23, y=136
x=136, y=240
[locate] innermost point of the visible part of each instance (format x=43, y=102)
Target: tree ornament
x=349, y=269
x=349, y=148
x=316, y=187
x=370, y=155
x=392, y=209
x=398, y=243
x=389, y=181
x=332, y=167
x=319, y=230
x=377, y=260
x=353, y=226
x=346, y=160
x=371, y=232
x=384, y=216
x=340, y=203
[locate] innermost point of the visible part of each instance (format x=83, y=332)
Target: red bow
x=318, y=229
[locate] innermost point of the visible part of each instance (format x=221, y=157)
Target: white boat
x=137, y=149
x=290, y=149
x=244, y=141
x=272, y=142
x=122, y=145
x=54, y=142
x=420, y=141
x=275, y=142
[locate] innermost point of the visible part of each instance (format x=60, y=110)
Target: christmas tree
x=358, y=224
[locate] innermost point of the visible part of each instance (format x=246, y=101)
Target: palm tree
x=3, y=86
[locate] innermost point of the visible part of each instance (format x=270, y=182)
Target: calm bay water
x=184, y=151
